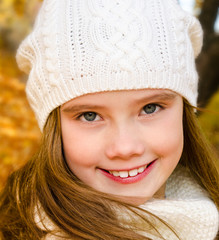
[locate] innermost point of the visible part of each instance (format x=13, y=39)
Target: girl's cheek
x=81, y=149
x=168, y=137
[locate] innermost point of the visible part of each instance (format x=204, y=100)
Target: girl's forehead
x=135, y=95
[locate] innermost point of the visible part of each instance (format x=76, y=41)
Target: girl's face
x=125, y=143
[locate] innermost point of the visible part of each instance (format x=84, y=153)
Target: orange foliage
x=19, y=133
x=19, y=7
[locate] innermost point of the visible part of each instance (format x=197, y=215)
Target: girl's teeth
x=115, y=173
x=133, y=172
x=141, y=169
x=125, y=174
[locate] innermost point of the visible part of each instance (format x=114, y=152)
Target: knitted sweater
x=187, y=209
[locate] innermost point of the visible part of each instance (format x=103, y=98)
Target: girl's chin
x=139, y=200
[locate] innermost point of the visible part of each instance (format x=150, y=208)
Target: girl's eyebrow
x=158, y=97
x=79, y=107
x=153, y=97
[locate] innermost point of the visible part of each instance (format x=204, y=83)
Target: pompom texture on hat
x=86, y=46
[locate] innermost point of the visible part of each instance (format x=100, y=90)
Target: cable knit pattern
x=117, y=43
x=187, y=209
x=86, y=46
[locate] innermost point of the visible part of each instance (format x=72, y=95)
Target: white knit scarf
x=187, y=209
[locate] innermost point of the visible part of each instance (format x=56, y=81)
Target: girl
x=113, y=85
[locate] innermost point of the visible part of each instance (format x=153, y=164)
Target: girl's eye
x=89, y=117
x=150, y=108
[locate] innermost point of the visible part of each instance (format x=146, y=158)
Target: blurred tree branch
x=208, y=61
x=208, y=17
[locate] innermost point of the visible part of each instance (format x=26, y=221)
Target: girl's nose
x=124, y=144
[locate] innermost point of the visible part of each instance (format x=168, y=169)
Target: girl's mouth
x=129, y=176
x=130, y=173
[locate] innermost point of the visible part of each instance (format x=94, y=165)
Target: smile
x=129, y=176
x=131, y=173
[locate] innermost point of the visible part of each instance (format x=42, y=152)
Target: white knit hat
x=86, y=46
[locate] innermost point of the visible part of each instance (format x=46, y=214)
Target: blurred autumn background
x=19, y=133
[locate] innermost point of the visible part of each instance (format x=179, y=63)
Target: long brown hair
x=78, y=211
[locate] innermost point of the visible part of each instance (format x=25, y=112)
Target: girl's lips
x=131, y=176
x=128, y=173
